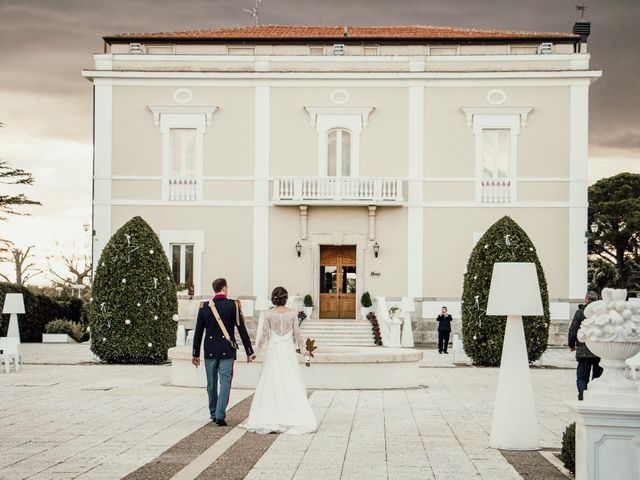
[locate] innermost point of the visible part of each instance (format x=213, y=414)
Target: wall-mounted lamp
x=376, y=249
x=298, y=249
x=593, y=227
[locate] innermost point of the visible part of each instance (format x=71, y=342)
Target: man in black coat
x=444, y=330
x=588, y=363
x=219, y=346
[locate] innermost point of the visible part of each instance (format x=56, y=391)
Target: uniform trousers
x=218, y=399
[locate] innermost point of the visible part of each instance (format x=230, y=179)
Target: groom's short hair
x=218, y=284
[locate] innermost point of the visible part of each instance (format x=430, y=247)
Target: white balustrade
x=182, y=189
x=338, y=189
x=496, y=190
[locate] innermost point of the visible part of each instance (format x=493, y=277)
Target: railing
x=338, y=189
x=182, y=189
x=496, y=190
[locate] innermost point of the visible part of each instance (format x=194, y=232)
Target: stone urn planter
x=611, y=330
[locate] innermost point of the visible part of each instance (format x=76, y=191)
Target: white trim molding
x=159, y=110
x=102, y=144
x=415, y=195
x=195, y=237
x=187, y=117
x=508, y=118
x=472, y=112
x=262, y=109
x=325, y=119
x=578, y=188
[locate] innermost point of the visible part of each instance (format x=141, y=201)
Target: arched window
x=339, y=153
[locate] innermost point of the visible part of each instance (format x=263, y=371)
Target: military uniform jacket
x=215, y=345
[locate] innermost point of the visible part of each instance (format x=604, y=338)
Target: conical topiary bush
x=134, y=298
x=483, y=335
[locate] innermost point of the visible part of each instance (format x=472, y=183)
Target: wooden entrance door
x=338, y=281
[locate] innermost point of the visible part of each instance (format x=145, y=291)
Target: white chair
x=11, y=353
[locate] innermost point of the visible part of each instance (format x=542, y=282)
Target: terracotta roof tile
x=292, y=32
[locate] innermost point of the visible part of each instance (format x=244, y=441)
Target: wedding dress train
x=280, y=401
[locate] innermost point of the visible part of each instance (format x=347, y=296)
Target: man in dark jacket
x=219, y=346
x=444, y=330
x=588, y=363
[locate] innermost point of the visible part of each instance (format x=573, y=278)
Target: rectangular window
x=318, y=51
x=495, y=152
x=241, y=50
x=183, y=152
x=443, y=51
x=523, y=50
x=182, y=263
x=371, y=50
x=160, y=49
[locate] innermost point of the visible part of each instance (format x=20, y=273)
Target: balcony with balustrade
x=496, y=190
x=338, y=191
x=183, y=189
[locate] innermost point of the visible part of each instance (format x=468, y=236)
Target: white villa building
x=339, y=160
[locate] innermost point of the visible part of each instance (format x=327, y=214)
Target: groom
x=219, y=318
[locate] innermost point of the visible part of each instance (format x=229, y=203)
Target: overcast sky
x=46, y=105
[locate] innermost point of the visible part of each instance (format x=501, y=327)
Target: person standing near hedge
x=588, y=363
x=444, y=330
x=217, y=321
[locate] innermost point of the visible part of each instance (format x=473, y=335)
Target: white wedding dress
x=280, y=402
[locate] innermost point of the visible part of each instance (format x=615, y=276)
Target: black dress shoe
x=446, y=353
x=213, y=420
x=221, y=423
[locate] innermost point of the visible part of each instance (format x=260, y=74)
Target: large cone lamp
x=514, y=292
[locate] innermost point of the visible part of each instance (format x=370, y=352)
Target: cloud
x=47, y=106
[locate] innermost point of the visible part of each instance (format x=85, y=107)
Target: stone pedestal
x=607, y=438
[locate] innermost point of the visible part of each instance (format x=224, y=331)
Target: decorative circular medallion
x=339, y=97
x=496, y=97
x=182, y=95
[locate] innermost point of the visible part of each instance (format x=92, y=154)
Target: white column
x=102, y=142
x=261, y=193
x=415, y=216
x=578, y=203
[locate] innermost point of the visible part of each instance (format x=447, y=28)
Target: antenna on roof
x=581, y=8
x=254, y=12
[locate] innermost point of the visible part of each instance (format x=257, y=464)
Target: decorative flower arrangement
x=301, y=316
x=375, y=328
x=612, y=319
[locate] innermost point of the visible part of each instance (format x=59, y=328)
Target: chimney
x=583, y=28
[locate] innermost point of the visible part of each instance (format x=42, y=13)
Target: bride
x=280, y=402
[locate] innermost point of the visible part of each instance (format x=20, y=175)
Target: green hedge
x=134, y=298
x=568, y=452
x=62, y=325
x=40, y=309
x=483, y=335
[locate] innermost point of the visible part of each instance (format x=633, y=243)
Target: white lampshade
x=407, y=305
x=13, y=303
x=514, y=290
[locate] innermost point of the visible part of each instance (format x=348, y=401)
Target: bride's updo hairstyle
x=279, y=296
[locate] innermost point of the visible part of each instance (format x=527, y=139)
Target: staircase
x=338, y=332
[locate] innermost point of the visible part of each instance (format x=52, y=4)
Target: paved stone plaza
x=90, y=421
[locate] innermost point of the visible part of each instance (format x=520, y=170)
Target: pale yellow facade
x=418, y=122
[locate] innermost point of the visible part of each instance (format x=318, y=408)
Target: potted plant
x=308, y=305
x=366, y=303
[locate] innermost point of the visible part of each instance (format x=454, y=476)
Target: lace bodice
x=281, y=323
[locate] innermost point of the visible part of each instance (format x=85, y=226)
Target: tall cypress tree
x=134, y=298
x=483, y=335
